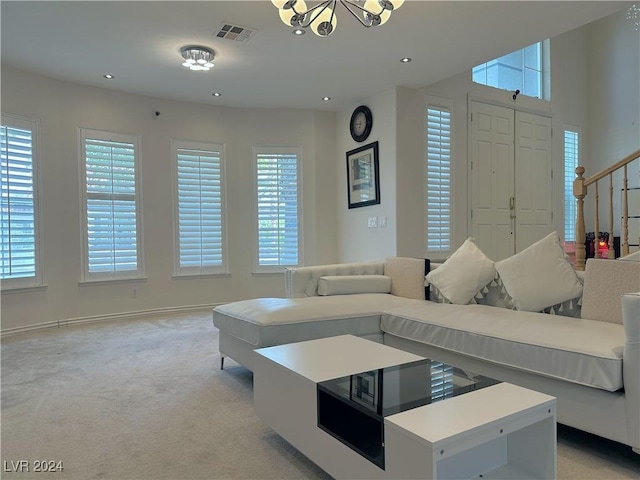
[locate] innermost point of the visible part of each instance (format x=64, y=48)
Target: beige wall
x=62, y=108
x=358, y=242
x=594, y=86
x=614, y=107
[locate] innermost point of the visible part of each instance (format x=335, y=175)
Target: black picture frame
x=363, y=176
x=365, y=389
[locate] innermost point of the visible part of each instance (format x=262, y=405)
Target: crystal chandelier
x=322, y=17
x=633, y=13
x=197, y=58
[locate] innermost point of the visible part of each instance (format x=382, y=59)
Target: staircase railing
x=580, y=185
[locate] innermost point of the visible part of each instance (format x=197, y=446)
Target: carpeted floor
x=145, y=399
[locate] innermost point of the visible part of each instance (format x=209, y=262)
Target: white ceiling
x=139, y=43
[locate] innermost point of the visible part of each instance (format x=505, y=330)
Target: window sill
x=196, y=276
x=267, y=274
x=35, y=288
x=115, y=281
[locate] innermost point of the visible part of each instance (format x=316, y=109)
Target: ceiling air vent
x=234, y=32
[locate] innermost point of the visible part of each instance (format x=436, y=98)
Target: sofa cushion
x=352, y=284
x=539, y=276
x=604, y=283
x=585, y=352
x=467, y=271
x=407, y=276
x=273, y=321
x=302, y=282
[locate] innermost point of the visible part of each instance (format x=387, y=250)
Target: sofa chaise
x=583, y=348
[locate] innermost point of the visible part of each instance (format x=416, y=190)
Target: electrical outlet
x=134, y=292
x=373, y=222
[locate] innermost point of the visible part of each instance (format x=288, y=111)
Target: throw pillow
x=632, y=257
x=351, y=284
x=539, y=276
x=463, y=274
x=495, y=295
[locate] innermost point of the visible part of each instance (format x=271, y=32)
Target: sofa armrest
x=303, y=281
x=631, y=366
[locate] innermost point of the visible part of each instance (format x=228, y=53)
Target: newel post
x=580, y=191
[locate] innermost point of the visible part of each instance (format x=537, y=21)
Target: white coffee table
x=500, y=431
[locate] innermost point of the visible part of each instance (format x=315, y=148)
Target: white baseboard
x=105, y=317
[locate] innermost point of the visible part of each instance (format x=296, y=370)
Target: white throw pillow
x=352, y=284
x=539, y=276
x=463, y=274
x=632, y=257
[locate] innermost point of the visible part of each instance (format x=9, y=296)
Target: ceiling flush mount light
x=216, y=94
x=197, y=58
x=405, y=60
x=108, y=76
x=322, y=18
x=633, y=14
x=326, y=99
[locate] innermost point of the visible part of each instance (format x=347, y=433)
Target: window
x=442, y=382
x=520, y=70
x=19, y=206
x=571, y=161
x=278, y=207
x=111, y=208
x=200, y=208
x=438, y=175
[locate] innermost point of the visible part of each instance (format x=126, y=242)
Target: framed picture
x=363, y=176
x=365, y=389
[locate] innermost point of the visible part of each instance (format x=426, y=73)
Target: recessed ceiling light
x=326, y=99
x=299, y=31
x=108, y=76
x=405, y=60
x=216, y=94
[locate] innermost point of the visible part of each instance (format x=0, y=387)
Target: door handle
x=512, y=207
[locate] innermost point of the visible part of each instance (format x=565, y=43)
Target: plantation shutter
x=111, y=207
x=18, y=206
x=441, y=380
x=571, y=160
x=438, y=160
x=278, y=207
x=200, y=208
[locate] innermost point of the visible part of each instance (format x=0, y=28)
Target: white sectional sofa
x=588, y=357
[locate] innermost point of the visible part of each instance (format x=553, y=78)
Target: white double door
x=510, y=179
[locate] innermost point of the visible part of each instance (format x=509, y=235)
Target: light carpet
x=145, y=399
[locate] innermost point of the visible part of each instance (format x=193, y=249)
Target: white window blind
x=19, y=214
x=438, y=178
x=200, y=208
x=111, y=206
x=278, y=207
x=571, y=161
x=441, y=381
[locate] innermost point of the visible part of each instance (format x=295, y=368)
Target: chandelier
x=197, y=58
x=633, y=14
x=322, y=17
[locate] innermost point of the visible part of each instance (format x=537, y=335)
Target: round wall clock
x=361, y=123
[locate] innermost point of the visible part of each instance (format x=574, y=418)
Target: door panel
x=492, y=176
x=533, y=179
x=510, y=158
